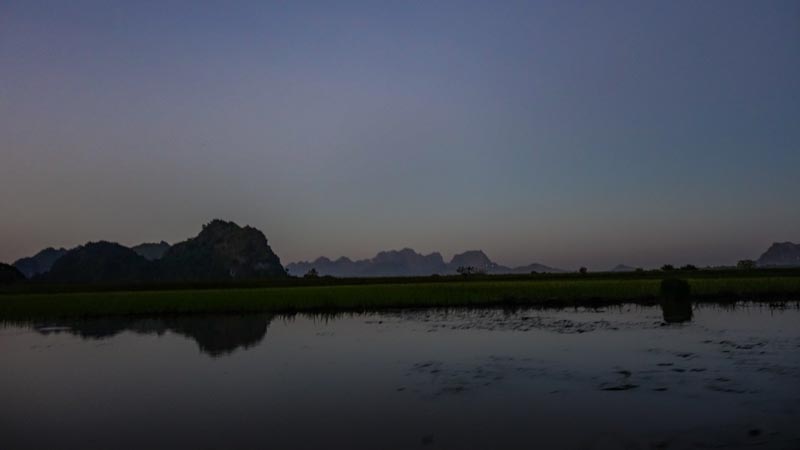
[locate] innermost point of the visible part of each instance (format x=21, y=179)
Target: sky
x=567, y=133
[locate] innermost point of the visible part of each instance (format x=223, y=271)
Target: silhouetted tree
x=746, y=264
x=667, y=267
x=470, y=270
x=10, y=274
x=312, y=273
x=583, y=270
x=689, y=267
x=675, y=288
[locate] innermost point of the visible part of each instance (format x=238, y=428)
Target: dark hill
x=405, y=261
x=781, y=254
x=100, y=262
x=222, y=251
x=40, y=262
x=10, y=274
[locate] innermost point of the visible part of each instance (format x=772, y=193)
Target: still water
x=620, y=377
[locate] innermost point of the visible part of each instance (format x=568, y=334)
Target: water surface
x=619, y=377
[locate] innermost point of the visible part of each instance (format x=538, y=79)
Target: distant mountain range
x=221, y=251
x=407, y=262
x=780, y=254
x=225, y=251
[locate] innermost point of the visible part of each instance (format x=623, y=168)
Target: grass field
x=483, y=292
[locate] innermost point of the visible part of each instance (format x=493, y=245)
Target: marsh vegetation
x=324, y=294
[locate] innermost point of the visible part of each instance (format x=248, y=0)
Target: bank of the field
x=376, y=296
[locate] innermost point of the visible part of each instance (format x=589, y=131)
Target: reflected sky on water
x=616, y=377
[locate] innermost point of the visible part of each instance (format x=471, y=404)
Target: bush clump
x=674, y=288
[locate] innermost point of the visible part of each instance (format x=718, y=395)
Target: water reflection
x=725, y=379
x=215, y=335
x=676, y=310
x=220, y=335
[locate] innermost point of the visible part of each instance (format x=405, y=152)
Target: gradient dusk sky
x=568, y=133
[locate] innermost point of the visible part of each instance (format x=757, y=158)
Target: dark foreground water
x=715, y=377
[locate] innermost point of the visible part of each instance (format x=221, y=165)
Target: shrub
x=674, y=288
x=746, y=264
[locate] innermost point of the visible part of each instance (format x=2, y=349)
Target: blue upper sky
x=569, y=133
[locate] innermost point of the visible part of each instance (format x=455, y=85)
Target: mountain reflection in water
x=215, y=335
x=222, y=335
